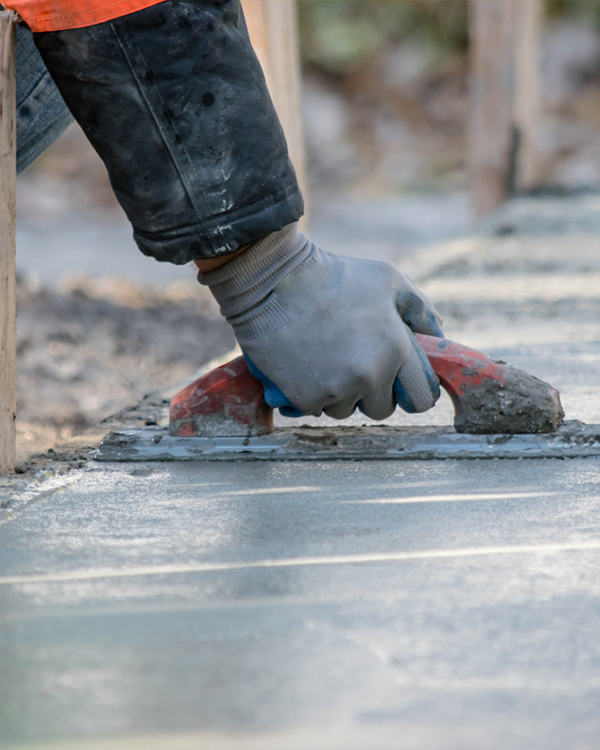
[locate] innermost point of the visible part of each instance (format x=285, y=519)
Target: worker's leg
x=42, y=114
x=175, y=102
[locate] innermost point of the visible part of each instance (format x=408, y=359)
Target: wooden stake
x=528, y=91
x=8, y=317
x=491, y=28
x=273, y=29
x=504, y=99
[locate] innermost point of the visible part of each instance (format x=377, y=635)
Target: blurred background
x=385, y=95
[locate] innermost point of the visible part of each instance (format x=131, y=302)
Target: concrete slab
x=331, y=605
x=325, y=605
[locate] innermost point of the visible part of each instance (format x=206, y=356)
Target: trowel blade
x=373, y=443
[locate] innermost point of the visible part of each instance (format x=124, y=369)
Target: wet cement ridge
x=17, y=501
x=372, y=443
x=290, y=562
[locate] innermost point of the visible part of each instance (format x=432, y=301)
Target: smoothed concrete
x=324, y=605
x=449, y=605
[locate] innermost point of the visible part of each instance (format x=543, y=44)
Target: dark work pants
x=174, y=101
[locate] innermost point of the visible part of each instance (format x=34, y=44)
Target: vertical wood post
x=528, y=91
x=273, y=29
x=8, y=317
x=504, y=99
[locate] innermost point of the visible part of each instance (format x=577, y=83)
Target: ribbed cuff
x=245, y=282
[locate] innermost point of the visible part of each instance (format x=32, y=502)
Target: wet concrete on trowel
x=325, y=605
x=522, y=405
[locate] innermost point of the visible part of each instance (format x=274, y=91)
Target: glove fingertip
x=403, y=397
x=428, y=325
x=288, y=411
x=419, y=314
x=432, y=379
x=435, y=327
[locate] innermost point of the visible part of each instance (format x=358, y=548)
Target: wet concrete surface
x=337, y=605
x=446, y=605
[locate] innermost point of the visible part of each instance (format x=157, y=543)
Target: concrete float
x=500, y=412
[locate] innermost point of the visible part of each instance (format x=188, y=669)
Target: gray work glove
x=326, y=333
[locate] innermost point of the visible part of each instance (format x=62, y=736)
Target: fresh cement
x=522, y=405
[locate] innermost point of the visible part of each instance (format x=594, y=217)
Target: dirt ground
x=89, y=351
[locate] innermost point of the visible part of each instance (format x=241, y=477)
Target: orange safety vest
x=56, y=15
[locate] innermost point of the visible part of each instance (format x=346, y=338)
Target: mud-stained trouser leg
x=174, y=101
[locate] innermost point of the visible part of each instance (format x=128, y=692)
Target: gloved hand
x=330, y=332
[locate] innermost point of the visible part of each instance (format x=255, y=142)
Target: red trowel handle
x=228, y=401
x=460, y=368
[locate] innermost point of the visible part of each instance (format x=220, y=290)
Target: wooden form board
x=502, y=155
x=8, y=317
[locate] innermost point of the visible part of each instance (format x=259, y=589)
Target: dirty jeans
x=42, y=114
x=174, y=101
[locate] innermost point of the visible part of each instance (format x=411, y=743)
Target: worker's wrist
x=206, y=265
x=245, y=282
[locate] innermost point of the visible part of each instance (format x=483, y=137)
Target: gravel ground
x=90, y=351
